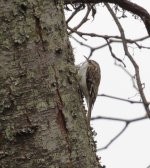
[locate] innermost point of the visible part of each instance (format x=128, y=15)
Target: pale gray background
x=132, y=148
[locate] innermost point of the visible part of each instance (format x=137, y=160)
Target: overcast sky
x=132, y=148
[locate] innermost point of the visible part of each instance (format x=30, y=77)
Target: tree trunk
x=42, y=119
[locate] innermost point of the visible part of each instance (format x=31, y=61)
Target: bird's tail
x=89, y=114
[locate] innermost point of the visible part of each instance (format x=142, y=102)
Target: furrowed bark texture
x=42, y=120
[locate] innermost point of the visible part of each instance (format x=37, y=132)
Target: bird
x=90, y=76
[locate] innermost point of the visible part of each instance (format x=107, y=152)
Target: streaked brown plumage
x=90, y=75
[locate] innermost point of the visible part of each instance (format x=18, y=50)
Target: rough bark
x=42, y=120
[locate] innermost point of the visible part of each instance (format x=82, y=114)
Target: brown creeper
x=90, y=75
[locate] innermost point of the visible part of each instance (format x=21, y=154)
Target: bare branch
x=93, y=49
x=74, y=13
x=136, y=67
x=121, y=99
x=112, y=39
x=109, y=40
x=85, y=19
x=113, y=139
x=125, y=4
x=129, y=74
x=113, y=55
x=119, y=119
x=126, y=121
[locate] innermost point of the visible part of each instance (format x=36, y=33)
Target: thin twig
x=74, y=13
x=113, y=54
x=112, y=140
x=129, y=74
x=84, y=19
x=119, y=119
x=127, y=53
x=126, y=121
x=121, y=99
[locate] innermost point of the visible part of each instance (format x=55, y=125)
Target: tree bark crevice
x=42, y=119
